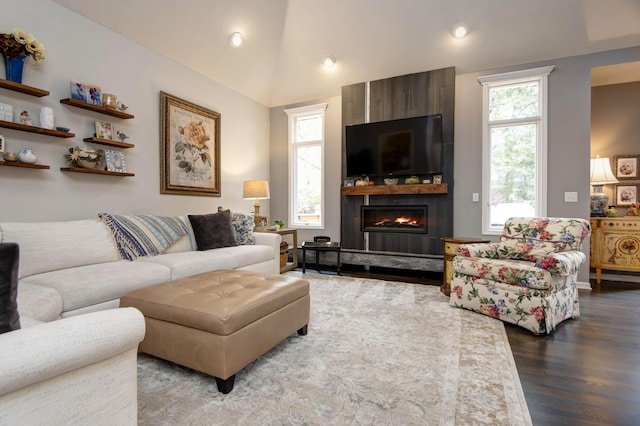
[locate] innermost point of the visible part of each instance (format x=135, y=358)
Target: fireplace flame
x=402, y=221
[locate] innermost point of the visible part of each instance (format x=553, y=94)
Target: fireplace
x=408, y=219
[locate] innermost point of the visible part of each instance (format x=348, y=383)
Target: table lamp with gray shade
x=600, y=175
x=255, y=190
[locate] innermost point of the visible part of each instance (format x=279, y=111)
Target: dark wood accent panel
x=351, y=236
x=353, y=112
x=411, y=95
x=353, y=104
x=431, y=92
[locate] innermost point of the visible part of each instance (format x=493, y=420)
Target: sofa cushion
x=194, y=262
x=143, y=235
x=50, y=246
x=39, y=302
x=516, y=272
x=213, y=230
x=91, y=284
x=248, y=254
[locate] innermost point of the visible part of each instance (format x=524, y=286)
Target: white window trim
x=535, y=74
x=292, y=114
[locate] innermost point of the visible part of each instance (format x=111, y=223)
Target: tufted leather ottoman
x=218, y=322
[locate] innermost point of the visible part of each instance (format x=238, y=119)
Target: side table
x=450, y=246
x=290, y=236
x=318, y=247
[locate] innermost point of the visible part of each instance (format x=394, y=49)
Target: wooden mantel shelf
x=424, y=188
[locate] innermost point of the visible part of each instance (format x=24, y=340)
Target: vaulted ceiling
x=280, y=61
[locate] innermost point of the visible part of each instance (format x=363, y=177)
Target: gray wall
x=615, y=125
x=80, y=49
x=279, y=185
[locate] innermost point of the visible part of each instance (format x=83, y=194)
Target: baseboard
x=617, y=277
x=583, y=285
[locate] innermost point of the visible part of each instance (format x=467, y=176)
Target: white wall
x=80, y=49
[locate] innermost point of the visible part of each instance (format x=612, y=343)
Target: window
x=306, y=166
x=514, y=146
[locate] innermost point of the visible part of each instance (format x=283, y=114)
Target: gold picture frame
x=626, y=167
x=626, y=195
x=189, y=148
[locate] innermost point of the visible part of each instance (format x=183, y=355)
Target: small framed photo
x=102, y=159
x=261, y=222
x=437, y=179
x=78, y=90
x=1, y=143
x=6, y=112
x=626, y=195
x=94, y=94
x=626, y=166
x=347, y=183
x=104, y=130
x=115, y=161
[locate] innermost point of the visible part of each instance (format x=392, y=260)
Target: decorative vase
x=85, y=164
x=14, y=67
x=46, y=118
x=27, y=156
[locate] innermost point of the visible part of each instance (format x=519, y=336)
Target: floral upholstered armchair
x=528, y=278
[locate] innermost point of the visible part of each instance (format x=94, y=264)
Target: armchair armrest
x=562, y=263
x=486, y=250
x=35, y=354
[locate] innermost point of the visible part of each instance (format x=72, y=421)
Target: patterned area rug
x=377, y=353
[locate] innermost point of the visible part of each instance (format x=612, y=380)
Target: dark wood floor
x=587, y=372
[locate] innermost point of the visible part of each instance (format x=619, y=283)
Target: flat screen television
x=409, y=146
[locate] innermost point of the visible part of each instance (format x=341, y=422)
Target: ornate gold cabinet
x=615, y=244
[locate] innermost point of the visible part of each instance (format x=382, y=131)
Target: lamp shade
x=255, y=190
x=601, y=173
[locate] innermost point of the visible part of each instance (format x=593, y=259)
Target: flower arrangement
x=19, y=42
x=79, y=154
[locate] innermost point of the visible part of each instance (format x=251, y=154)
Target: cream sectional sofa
x=73, y=267
x=75, y=359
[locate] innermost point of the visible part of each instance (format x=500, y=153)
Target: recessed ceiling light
x=235, y=39
x=329, y=61
x=460, y=30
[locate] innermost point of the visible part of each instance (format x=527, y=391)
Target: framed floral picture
x=189, y=148
x=626, y=167
x=104, y=130
x=626, y=195
x=115, y=161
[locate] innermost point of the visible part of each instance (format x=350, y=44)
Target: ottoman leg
x=303, y=330
x=225, y=385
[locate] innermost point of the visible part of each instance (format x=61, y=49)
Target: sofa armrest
x=486, y=250
x=35, y=354
x=269, y=239
x=563, y=263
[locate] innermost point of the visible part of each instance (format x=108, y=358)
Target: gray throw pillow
x=213, y=230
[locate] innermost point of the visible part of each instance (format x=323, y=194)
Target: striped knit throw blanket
x=143, y=235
